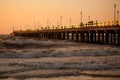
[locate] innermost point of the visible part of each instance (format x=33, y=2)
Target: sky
x=23, y=14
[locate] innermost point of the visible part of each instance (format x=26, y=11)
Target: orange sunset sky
x=22, y=12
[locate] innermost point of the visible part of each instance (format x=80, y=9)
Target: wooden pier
x=97, y=35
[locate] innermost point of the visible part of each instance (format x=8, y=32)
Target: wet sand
x=35, y=59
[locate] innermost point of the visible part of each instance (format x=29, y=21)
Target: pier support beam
x=82, y=37
x=114, y=37
x=91, y=37
x=98, y=38
x=77, y=37
x=60, y=36
x=111, y=38
x=102, y=38
x=67, y=35
x=64, y=35
x=87, y=37
x=119, y=38
x=106, y=37
x=72, y=35
x=94, y=37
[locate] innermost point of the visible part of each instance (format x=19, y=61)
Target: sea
x=23, y=58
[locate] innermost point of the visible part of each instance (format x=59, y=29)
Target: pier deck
x=94, y=34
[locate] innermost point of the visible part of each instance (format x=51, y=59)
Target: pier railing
x=85, y=25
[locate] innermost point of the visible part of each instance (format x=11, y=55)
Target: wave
x=25, y=58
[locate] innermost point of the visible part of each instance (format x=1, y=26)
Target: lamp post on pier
x=61, y=22
x=81, y=23
x=34, y=25
x=115, y=14
x=117, y=17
